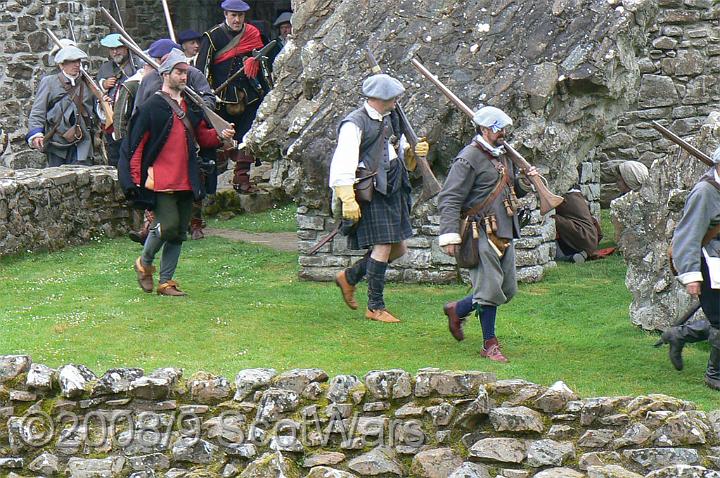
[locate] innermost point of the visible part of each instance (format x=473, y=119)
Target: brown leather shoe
x=170, y=288
x=492, y=351
x=196, y=229
x=455, y=323
x=145, y=275
x=347, y=290
x=381, y=315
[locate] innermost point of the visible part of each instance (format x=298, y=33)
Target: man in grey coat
x=696, y=257
x=482, y=184
x=61, y=122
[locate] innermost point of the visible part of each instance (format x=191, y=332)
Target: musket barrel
x=449, y=94
x=682, y=143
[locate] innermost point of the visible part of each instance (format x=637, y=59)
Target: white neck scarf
x=494, y=150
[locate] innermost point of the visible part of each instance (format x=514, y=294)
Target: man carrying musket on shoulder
x=365, y=149
x=158, y=170
x=225, y=49
x=482, y=187
x=696, y=257
x=61, y=122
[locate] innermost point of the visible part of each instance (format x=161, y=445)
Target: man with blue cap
x=190, y=42
x=224, y=49
x=696, y=257
x=283, y=23
x=61, y=122
x=481, y=193
x=381, y=222
x=110, y=76
x=159, y=170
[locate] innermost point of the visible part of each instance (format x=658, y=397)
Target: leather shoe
x=145, y=275
x=347, y=290
x=455, y=323
x=492, y=351
x=170, y=288
x=672, y=337
x=381, y=315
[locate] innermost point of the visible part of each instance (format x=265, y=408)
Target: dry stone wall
x=49, y=209
x=679, y=89
x=303, y=423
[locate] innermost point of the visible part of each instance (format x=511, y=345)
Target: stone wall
x=52, y=208
x=565, y=71
x=435, y=424
x=679, y=89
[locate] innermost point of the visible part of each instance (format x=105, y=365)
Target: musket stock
x=94, y=88
x=682, y=143
x=430, y=186
x=548, y=200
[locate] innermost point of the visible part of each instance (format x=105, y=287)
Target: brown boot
x=492, y=351
x=196, y=229
x=145, y=275
x=170, y=288
x=455, y=323
x=381, y=315
x=347, y=290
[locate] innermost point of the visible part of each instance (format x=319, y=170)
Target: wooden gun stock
x=430, y=185
x=682, y=143
x=548, y=200
x=94, y=88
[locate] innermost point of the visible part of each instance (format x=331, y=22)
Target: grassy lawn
x=280, y=219
x=246, y=308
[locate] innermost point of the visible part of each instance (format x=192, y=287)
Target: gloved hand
x=350, y=207
x=251, y=67
x=421, y=149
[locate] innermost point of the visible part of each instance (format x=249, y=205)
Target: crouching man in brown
x=158, y=170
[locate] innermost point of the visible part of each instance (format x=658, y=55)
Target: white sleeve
x=347, y=154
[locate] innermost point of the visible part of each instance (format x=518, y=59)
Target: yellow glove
x=350, y=207
x=421, y=149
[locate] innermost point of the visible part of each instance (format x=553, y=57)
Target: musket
x=213, y=118
x=255, y=54
x=168, y=20
x=122, y=24
x=683, y=318
x=682, y=143
x=325, y=239
x=71, y=27
x=430, y=186
x=548, y=200
x=94, y=88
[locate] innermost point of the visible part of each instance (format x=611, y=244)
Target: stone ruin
x=265, y=424
x=581, y=78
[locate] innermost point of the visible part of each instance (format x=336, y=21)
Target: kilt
x=385, y=219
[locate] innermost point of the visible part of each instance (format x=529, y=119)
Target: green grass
x=247, y=308
x=280, y=219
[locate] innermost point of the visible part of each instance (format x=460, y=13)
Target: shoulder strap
x=179, y=112
x=499, y=186
x=234, y=40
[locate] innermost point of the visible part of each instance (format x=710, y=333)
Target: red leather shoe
x=491, y=350
x=455, y=323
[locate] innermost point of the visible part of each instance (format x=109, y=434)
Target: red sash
x=250, y=41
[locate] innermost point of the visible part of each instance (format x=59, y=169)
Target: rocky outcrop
x=433, y=424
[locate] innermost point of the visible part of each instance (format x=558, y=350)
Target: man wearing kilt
x=382, y=224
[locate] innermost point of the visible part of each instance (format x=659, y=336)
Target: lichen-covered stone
x=297, y=379
x=549, y=453
x=248, y=380
x=378, y=461
x=610, y=471
x=40, y=377
x=208, y=388
x=386, y=384
x=516, y=419
x=449, y=384
x=327, y=472
x=653, y=458
x=116, y=380
x=74, y=380
x=505, y=450
x=95, y=468
x=470, y=470
x=340, y=388
x=437, y=463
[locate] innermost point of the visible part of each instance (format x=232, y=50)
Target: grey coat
x=53, y=104
x=702, y=211
x=471, y=179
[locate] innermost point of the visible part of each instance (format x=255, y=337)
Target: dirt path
x=281, y=241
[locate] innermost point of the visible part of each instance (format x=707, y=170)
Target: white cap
x=493, y=118
x=174, y=58
x=69, y=53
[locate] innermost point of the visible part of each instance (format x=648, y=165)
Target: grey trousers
x=493, y=280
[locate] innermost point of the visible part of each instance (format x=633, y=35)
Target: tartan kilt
x=384, y=220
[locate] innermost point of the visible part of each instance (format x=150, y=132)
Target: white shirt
x=346, y=158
